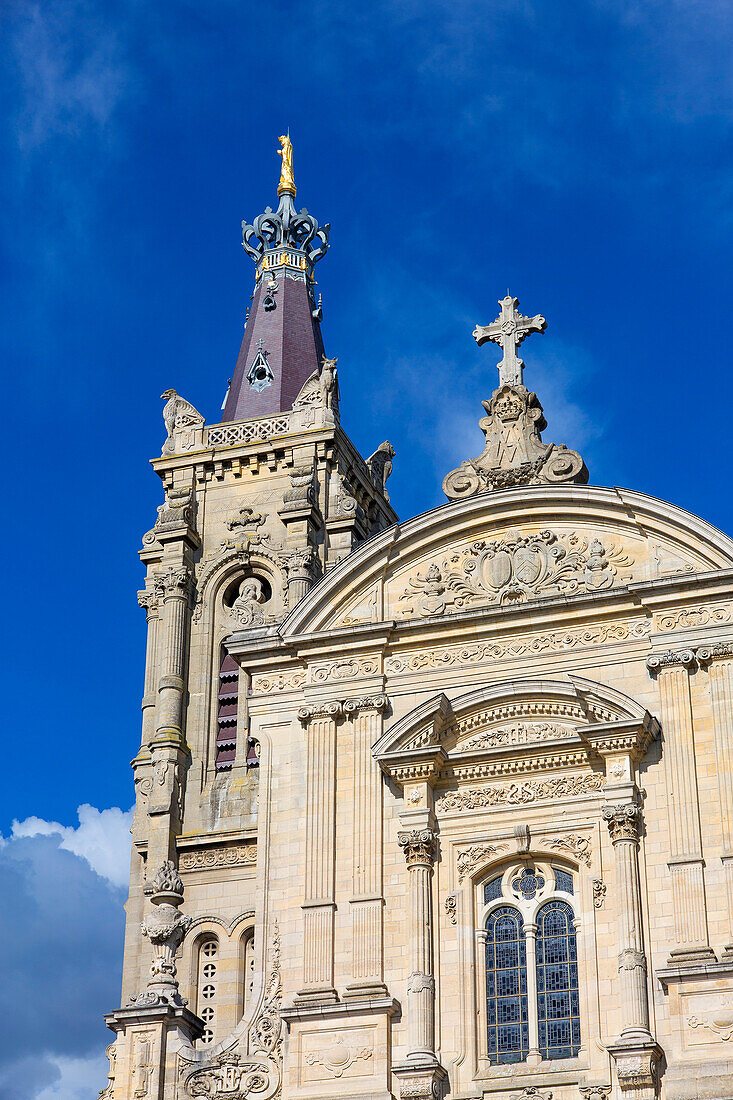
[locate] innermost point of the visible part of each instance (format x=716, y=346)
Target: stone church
x=431, y=808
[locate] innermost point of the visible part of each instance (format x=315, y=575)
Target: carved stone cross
x=509, y=330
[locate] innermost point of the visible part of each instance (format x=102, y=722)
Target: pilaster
x=686, y=865
x=320, y=851
x=718, y=660
x=367, y=902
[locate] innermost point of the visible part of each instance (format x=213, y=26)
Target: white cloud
x=102, y=838
x=79, y=1078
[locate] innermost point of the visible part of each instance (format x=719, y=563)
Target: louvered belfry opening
x=226, y=719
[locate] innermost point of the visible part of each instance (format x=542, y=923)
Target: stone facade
x=520, y=702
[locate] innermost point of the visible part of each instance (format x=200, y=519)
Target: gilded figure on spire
x=287, y=179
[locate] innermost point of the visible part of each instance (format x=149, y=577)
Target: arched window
x=558, y=999
x=207, y=986
x=532, y=994
x=249, y=968
x=506, y=986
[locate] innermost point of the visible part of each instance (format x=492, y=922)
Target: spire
x=514, y=453
x=282, y=345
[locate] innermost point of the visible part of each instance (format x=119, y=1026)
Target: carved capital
x=681, y=658
x=378, y=703
x=623, y=820
x=148, y=599
x=418, y=846
x=332, y=710
x=419, y=983
x=630, y=959
x=173, y=582
x=721, y=651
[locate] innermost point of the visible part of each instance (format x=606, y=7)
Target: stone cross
x=508, y=331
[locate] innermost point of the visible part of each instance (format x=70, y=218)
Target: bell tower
x=256, y=509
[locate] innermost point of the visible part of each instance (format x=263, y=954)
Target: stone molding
x=210, y=858
x=519, y=794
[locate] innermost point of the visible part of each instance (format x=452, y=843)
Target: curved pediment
x=511, y=548
x=512, y=714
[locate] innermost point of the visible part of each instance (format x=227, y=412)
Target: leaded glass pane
x=492, y=890
x=528, y=883
x=563, y=881
x=558, y=1003
x=506, y=986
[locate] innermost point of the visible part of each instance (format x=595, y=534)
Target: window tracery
x=531, y=965
x=207, y=987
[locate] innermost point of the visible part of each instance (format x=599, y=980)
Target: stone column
x=320, y=851
x=301, y=567
x=367, y=902
x=168, y=746
x=534, y=1057
x=419, y=848
x=718, y=659
x=149, y=600
x=623, y=822
x=635, y=1052
x=686, y=863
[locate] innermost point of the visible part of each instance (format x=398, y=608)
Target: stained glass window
x=528, y=883
x=492, y=890
x=506, y=986
x=558, y=1005
x=563, y=881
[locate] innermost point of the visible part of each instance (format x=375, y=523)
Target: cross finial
x=509, y=330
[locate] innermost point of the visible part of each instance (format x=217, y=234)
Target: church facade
x=441, y=807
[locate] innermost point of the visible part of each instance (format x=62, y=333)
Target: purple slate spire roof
x=282, y=344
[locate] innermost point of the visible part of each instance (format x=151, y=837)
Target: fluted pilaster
x=366, y=902
x=320, y=850
x=718, y=660
x=686, y=863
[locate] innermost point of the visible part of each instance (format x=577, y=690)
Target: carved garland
x=518, y=794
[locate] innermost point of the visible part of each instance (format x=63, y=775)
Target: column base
x=365, y=990
x=637, y=1067
x=316, y=995
x=147, y=1043
x=700, y=953
x=727, y=955
x=420, y=1077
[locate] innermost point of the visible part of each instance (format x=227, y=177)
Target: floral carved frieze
x=276, y=682
x=514, y=569
x=519, y=794
x=478, y=853
x=451, y=904
x=237, y=855
x=518, y=646
x=346, y=669
x=690, y=617
x=579, y=847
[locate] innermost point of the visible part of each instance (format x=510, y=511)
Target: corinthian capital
x=418, y=846
x=623, y=820
x=173, y=582
x=681, y=658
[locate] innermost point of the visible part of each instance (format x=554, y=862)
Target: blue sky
x=579, y=154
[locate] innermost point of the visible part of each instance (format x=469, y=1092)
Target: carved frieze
x=579, y=847
x=524, y=734
x=206, y=859
x=473, y=856
x=519, y=794
x=349, y=668
x=512, y=570
x=518, y=646
x=337, y=1053
x=690, y=617
x=275, y=682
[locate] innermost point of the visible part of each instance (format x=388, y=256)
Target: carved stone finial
x=514, y=453
x=418, y=846
x=165, y=927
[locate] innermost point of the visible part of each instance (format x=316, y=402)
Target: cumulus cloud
x=62, y=921
x=102, y=838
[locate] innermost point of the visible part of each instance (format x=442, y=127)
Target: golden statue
x=287, y=179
